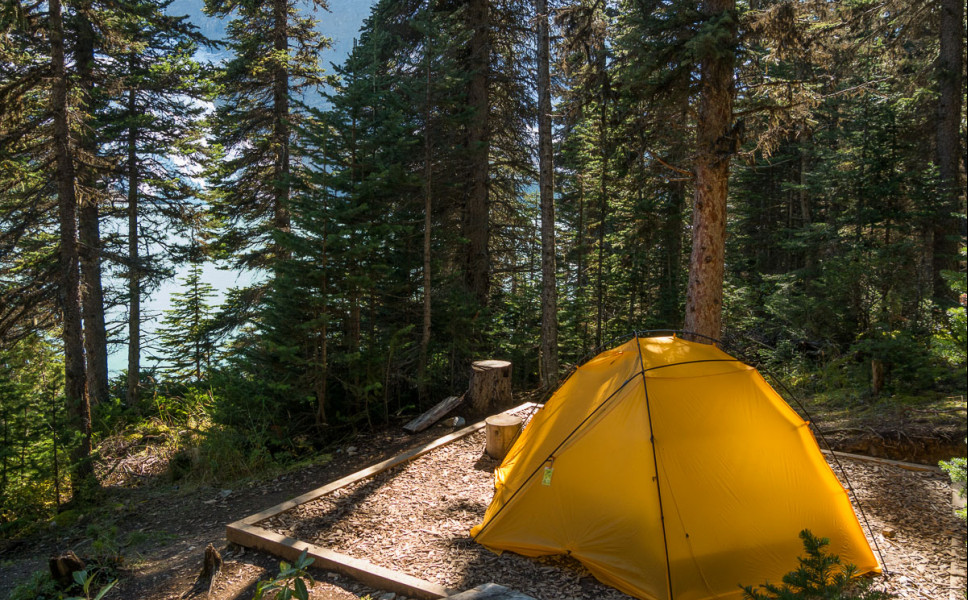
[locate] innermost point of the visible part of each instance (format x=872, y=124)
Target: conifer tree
x=549, y=293
x=275, y=60
x=715, y=144
x=476, y=215
x=950, y=151
x=186, y=335
x=78, y=401
x=153, y=135
x=57, y=140
x=41, y=152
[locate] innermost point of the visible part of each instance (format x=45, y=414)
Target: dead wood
x=63, y=566
x=434, y=414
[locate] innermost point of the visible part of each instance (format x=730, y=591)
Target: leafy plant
x=820, y=575
x=290, y=582
x=956, y=469
x=950, y=339
x=85, y=580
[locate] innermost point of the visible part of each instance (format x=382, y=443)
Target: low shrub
x=820, y=576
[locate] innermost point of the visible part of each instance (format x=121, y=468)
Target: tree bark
x=603, y=210
x=546, y=186
x=581, y=278
x=134, y=265
x=672, y=255
x=489, y=387
x=75, y=388
x=951, y=87
x=715, y=146
x=92, y=296
x=476, y=211
x=428, y=207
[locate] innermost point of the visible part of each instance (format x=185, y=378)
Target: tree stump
x=63, y=566
x=877, y=376
x=489, y=388
x=501, y=431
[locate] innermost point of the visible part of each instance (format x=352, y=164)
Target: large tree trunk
x=671, y=278
x=134, y=266
x=95, y=333
x=602, y=212
x=476, y=219
x=715, y=146
x=75, y=388
x=581, y=279
x=281, y=130
x=428, y=207
x=546, y=185
x=947, y=227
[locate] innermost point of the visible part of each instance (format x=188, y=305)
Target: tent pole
x=655, y=464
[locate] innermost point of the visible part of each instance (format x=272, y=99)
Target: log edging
x=246, y=533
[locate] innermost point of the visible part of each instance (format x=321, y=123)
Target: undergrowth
x=820, y=576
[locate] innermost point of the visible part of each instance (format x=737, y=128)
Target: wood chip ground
x=415, y=519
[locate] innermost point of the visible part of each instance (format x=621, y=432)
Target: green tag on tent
x=546, y=478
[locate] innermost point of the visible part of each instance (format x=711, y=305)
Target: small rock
x=225, y=493
x=387, y=596
x=888, y=532
x=350, y=451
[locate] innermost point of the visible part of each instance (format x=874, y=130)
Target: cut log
x=489, y=388
x=501, y=431
x=434, y=414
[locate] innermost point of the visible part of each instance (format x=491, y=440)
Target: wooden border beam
x=885, y=461
x=246, y=533
x=324, y=558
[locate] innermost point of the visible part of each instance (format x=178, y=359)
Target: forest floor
x=160, y=530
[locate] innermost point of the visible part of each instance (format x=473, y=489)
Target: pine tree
x=186, y=334
x=716, y=143
x=549, y=294
x=78, y=401
x=476, y=215
x=154, y=135
x=275, y=54
x=950, y=152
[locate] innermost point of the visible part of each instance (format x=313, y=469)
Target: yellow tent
x=670, y=470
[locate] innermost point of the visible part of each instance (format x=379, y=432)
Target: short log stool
x=501, y=431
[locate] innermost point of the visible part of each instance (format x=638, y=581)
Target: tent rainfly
x=671, y=470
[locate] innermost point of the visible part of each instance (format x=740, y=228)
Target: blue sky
x=341, y=24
